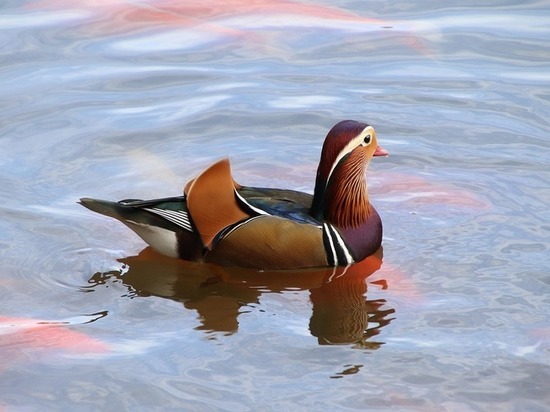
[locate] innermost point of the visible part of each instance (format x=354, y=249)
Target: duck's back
x=288, y=204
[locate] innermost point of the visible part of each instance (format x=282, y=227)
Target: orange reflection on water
x=342, y=313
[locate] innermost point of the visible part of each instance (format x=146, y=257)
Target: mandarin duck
x=220, y=221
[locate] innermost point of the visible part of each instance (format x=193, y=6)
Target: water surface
x=130, y=99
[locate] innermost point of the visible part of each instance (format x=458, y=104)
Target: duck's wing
x=279, y=233
x=287, y=204
x=212, y=203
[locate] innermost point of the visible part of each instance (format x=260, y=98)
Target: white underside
x=162, y=240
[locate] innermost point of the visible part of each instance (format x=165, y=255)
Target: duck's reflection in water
x=342, y=314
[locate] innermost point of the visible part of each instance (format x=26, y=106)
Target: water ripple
x=126, y=99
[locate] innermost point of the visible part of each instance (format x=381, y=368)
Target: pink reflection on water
x=416, y=190
x=26, y=339
x=170, y=11
x=228, y=18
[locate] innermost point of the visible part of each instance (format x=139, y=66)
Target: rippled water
x=119, y=99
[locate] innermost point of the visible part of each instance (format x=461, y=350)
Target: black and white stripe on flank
x=178, y=217
x=338, y=253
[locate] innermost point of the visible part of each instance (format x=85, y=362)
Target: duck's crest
x=212, y=203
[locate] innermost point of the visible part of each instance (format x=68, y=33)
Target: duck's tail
x=105, y=207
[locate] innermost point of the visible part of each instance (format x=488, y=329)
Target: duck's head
x=340, y=195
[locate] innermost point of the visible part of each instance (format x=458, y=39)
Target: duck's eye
x=367, y=139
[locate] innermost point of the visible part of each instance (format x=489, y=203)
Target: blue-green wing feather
x=288, y=204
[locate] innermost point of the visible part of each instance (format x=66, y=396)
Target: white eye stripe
x=357, y=141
